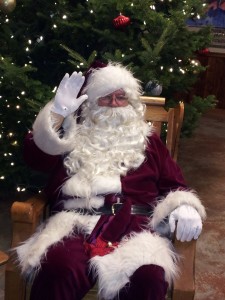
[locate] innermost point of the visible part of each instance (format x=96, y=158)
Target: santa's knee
x=147, y=282
x=149, y=277
x=148, y=273
x=61, y=269
x=61, y=277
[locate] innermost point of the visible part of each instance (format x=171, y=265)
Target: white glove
x=66, y=101
x=189, y=223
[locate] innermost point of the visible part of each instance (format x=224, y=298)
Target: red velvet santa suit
x=157, y=177
x=116, y=161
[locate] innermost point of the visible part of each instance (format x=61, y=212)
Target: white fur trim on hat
x=47, y=139
x=172, y=201
x=115, y=269
x=106, y=80
x=32, y=251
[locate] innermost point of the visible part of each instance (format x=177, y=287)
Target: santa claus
x=114, y=194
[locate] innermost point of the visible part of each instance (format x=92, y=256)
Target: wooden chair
x=173, y=119
x=3, y=258
x=27, y=215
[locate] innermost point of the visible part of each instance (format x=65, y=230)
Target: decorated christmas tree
x=42, y=40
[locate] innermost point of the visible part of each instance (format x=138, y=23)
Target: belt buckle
x=115, y=206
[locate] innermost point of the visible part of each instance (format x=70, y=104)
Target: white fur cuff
x=172, y=201
x=47, y=139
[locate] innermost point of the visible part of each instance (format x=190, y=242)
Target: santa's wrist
x=57, y=120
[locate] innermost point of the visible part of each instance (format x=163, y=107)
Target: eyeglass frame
x=118, y=96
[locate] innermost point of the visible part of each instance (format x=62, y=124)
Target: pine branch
x=75, y=55
x=167, y=33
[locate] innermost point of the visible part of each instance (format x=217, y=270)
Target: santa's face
x=115, y=99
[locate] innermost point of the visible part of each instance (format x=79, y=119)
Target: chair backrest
x=172, y=119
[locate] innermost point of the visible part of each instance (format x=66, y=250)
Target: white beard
x=110, y=142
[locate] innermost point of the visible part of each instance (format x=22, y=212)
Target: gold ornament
x=7, y=6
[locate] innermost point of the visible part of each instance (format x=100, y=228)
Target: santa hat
x=102, y=79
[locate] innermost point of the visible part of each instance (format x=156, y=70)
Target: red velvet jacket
x=157, y=175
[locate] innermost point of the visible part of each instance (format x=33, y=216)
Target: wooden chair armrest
x=26, y=216
x=3, y=258
x=184, y=285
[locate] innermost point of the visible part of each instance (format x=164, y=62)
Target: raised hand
x=66, y=101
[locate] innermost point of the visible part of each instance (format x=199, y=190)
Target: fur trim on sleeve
x=47, y=139
x=172, y=201
x=115, y=269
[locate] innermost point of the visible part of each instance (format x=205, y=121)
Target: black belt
x=114, y=209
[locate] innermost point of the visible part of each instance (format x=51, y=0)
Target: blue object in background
x=214, y=17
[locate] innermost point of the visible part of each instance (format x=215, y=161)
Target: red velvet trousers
x=65, y=275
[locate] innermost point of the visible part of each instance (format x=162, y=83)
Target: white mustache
x=112, y=116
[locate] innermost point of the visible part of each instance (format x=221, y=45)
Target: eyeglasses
x=111, y=97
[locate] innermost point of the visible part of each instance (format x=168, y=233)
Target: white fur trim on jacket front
x=115, y=269
x=94, y=202
x=47, y=139
x=172, y=201
x=81, y=187
x=63, y=224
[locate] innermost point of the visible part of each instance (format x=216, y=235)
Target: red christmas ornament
x=204, y=51
x=121, y=21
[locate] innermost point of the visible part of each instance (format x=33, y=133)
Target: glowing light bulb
x=182, y=71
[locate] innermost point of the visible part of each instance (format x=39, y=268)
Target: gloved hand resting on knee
x=189, y=223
